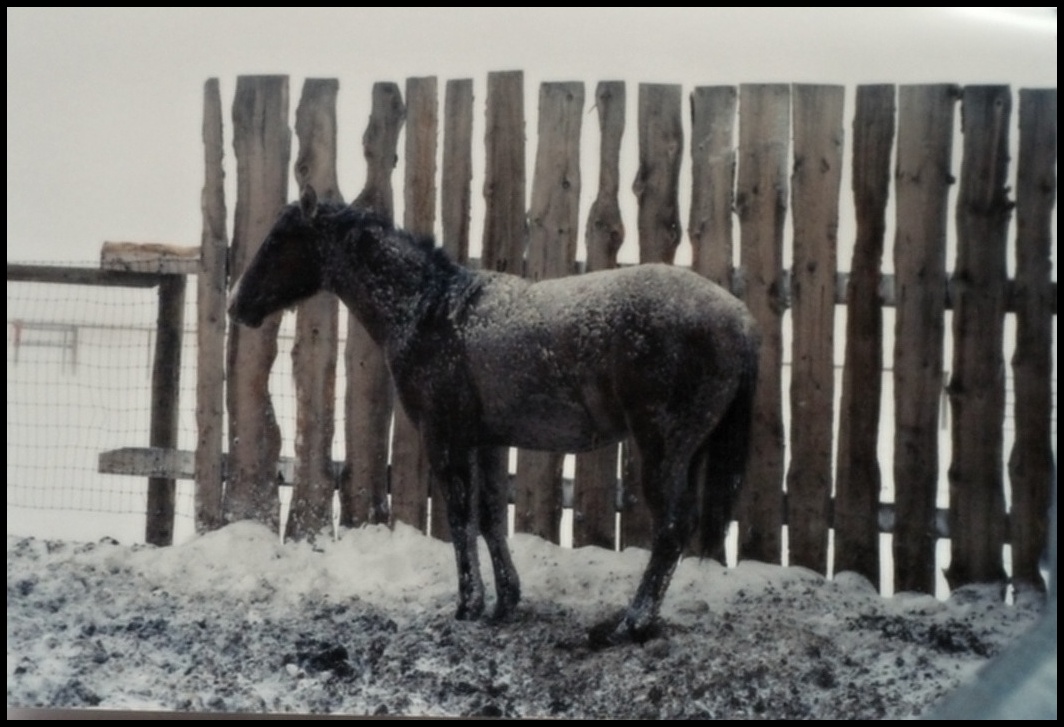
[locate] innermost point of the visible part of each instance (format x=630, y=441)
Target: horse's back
x=567, y=363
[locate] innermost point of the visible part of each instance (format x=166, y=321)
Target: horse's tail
x=725, y=455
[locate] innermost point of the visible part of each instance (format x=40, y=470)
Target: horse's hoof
x=505, y=608
x=469, y=613
x=603, y=635
x=503, y=615
x=614, y=633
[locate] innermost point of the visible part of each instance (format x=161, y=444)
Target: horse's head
x=286, y=269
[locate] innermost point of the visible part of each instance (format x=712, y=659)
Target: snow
x=235, y=621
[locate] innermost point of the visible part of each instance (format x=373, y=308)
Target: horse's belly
x=543, y=420
x=564, y=429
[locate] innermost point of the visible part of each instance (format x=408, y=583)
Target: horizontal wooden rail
x=81, y=276
x=180, y=465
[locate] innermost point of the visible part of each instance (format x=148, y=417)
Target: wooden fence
x=793, y=477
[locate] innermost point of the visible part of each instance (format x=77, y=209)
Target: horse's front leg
x=452, y=470
x=494, y=500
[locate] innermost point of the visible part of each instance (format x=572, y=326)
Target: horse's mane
x=450, y=286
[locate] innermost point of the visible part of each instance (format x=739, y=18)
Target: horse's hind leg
x=454, y=472
x=669, y=493
x=491, y=463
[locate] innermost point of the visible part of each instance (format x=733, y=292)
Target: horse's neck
x=381, y=286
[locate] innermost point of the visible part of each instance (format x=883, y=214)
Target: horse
x=483, y=360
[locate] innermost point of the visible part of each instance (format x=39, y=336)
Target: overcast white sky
x=104, y=106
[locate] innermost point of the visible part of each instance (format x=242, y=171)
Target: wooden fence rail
x=758, y=176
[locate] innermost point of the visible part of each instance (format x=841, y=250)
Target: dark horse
x=483, y=360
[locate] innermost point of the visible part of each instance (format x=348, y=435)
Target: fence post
x=504, y=184
x=595, y=480
x=922, y=179
x=977, y=386
x=368, y=400
x=1031, y=461
x=262, y=145
x=818, y=138
x=210, y=320
x=410, y=467
x=713, y=182
x=857, y=476
x=317, y=324
x=504, y=174
x=656, y=187
x=165, y=396
x=761, y=203
x=712, y=204
x=455, y=197
x=554, y=219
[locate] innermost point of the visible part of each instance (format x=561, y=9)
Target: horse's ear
x=308, y=202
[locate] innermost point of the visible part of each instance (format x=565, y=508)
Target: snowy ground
x=234, y=621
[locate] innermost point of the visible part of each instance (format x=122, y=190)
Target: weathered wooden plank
x=922, y=179
x=17, y=272
x=419, y=185
x=656, y=187
x=505, y=231
x=210, y=320
x=977, y=384
x=144, y=257
x=410, y=468
x=151, y=462
x=596, y=481
x=657, y=180
x=180, y=464
x=455, y=199
x=262, y=146
x=761, y=203
x=504, y=174
x=712, y=181
x=315, y=348
x=1031, y=461
x=818, y=139
x=368, y=399
x=710, y=229
x=553, y=219
x=165, y=401
x=857, y=476
x=457, y=173
x=379, y=144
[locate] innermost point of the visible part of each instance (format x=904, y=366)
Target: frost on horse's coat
x=486, y=360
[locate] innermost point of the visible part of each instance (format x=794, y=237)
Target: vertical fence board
x=656, y=187
x=317, y=325
x=761, y=203
x=368, y=400
x=165, y=391
x=1031, y=460
x=857, y=478
x=262, y=146
x=504, y=174
x=455, y=198
x=553, y=219
x=657, y=180
x=818, y=138
x=457, y=173
x=712, y=204
x=713, y=181
x=410, y=471
x=922, y=179
x=595, y=480
x=210, y=320
x=977, y=385
x=503, y=247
